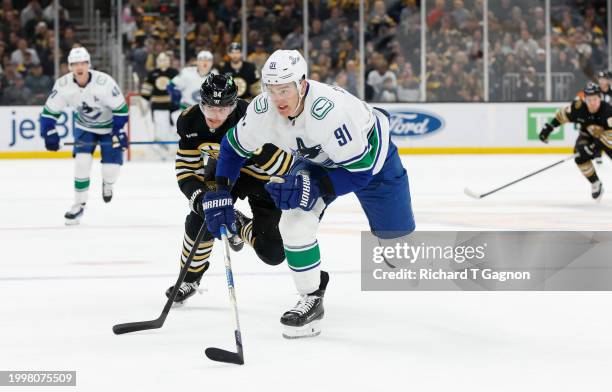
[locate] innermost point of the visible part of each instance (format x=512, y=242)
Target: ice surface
x=62, y=289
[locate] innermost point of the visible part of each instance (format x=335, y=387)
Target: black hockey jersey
x=597, y=125
x=197, y=138
x=154, y=89
x=245, y=78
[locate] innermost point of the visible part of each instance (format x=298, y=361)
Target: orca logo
x=414, y=123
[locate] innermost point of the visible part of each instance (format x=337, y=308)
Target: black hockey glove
x=545, y=132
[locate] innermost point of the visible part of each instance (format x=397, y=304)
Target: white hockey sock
x=110, y=173
x=82, y=167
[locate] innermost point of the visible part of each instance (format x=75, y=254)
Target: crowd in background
x=26, y=50
x=392, y=70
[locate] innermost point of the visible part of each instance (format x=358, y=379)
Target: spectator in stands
x=17, y=93
x=259, y=56
x=528, y=86
x=39, y=85
x=526, y=46
x=18, y=57
x=32, y=11
x=378, y=76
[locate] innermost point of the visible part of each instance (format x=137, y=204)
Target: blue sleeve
x=342, y=181
x=175, y=94
x=229, y=163
x=46, y=124
x=118, y=123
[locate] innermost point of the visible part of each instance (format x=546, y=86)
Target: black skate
x=304, y=319
x=107, y=192
x=235, y=241
x=186, y=291
x=597, y=190
x=73, y=216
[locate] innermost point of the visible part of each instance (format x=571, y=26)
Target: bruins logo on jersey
x=211, y=149
x=162, y=82
x=241, y=84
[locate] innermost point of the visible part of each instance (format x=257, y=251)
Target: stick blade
x=120, y=329
x=220, y=355
x=471, y=193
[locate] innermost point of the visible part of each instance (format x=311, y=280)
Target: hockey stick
x=87, y=144
x=475, y=195
x=217, y=354
x=159, y=322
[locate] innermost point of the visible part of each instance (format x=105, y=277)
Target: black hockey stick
x=87, y=144
x=474, y=195
x=217, y=354
x=159, y=322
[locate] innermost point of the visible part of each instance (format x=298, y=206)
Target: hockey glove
x=293, y=191
x=52, y=140
x=120, y=140
x=545, y=132
x=586, y=150
x=218, y=210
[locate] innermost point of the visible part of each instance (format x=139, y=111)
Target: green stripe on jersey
x=47, y=112
x=121, y=110
x=301, y=259
x=231, y=137
x=367, y=162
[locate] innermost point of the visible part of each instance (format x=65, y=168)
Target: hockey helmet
x=78, y=55
x=218, y=90
x=284, y=66
x=592, y=89
x=603, y=74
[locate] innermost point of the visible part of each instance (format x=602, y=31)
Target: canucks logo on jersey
x=305, y=152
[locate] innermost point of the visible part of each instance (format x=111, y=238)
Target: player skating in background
x=343, y=146
x=201, y=128
x=154, y=89
x=594, y=116
x=100, y=114
x=184, y=89
x=243, y=72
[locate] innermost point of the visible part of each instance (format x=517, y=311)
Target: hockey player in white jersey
x=342, y=145
x=184, y=88
x=100, y=112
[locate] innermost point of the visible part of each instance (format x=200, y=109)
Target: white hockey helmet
x=205, y=55
x=78, y=55
x=284, y=66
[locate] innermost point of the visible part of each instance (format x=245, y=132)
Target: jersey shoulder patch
x=260, y=104
x=321, y=107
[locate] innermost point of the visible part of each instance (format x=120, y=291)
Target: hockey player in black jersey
x=201, y=128
x=243, y=72
x=594, y=117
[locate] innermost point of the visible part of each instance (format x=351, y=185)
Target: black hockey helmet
x=234, y=46
x=603, y=74
x=218, y=90
x=592, y=89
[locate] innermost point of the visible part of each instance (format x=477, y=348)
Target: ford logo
x=414, y=123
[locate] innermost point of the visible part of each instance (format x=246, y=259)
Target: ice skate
x=597, y=190
x=73, y=216
x=107, y=192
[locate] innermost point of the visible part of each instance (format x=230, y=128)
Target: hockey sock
x=246, y=233
x=200, y=263
x=588, y=170
x=305, y=265
x=82, y=167
x=110, y=173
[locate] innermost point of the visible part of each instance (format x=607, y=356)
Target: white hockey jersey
x=335, y=129
x=188, y=82
x=94, y=105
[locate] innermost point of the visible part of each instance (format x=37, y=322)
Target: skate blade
x=72, y=222
x=307, y=331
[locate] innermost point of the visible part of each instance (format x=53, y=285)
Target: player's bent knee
x=270, y=252
x=298, y=227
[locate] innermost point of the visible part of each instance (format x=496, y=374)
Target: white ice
x=62, y=289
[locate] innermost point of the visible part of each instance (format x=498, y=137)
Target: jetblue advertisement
x=21, y=128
